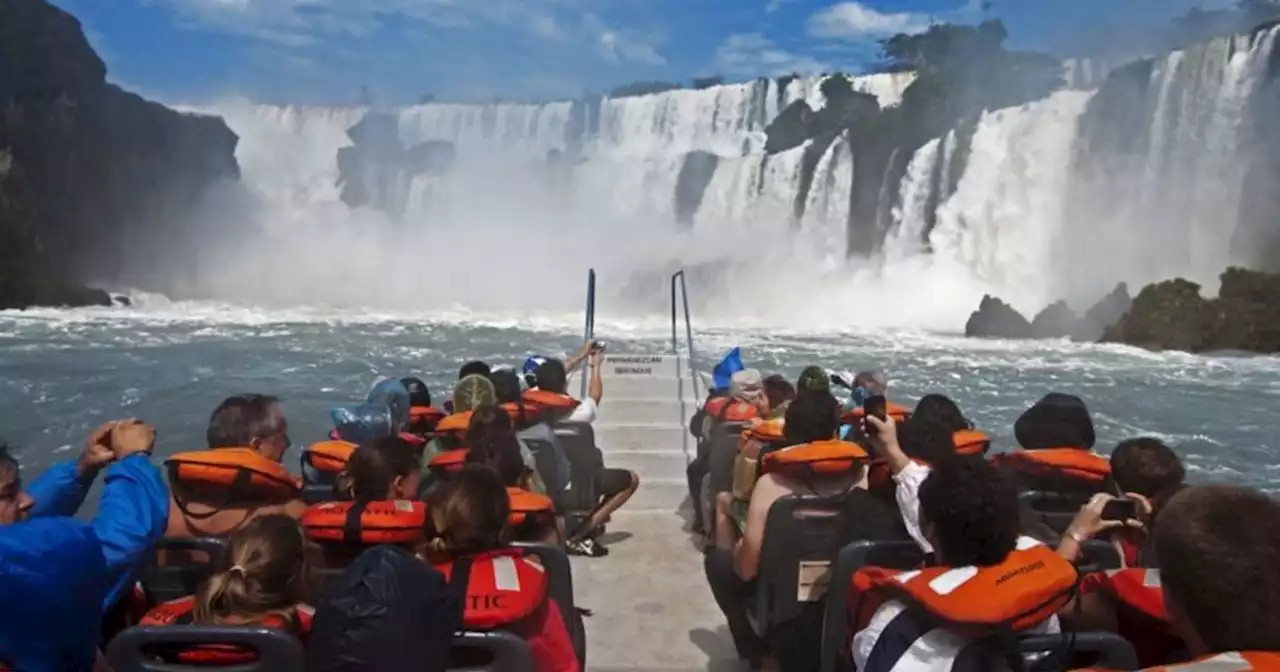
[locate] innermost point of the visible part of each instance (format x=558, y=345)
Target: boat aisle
x=651, y=606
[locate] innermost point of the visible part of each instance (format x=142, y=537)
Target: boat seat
x=722, y=451
x=1051, y=509
x=802, y=536
x=494, y=651
x=560, y=588
x=277, y=651
x=188, y=562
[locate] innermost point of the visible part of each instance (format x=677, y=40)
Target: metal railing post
x=589, y=330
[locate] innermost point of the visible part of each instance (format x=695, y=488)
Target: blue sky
x=326, y=50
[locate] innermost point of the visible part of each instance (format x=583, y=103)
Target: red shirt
x=548, y=639
x=1152, y=640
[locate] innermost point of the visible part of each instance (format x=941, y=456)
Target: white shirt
x=909, y=647
x=908, y=495
x=584, y=414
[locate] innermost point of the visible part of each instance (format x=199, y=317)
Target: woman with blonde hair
x=261, y=580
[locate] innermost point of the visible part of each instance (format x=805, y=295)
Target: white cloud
x=620, y=46
x=774, y=5
x=855, y=21
x=754, y=55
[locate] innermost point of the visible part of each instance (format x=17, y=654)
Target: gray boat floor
x=651, y=606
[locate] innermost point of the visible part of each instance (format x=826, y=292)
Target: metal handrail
x=689, y=342
x=589, y=330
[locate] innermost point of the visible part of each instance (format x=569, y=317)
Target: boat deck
x=651, y=606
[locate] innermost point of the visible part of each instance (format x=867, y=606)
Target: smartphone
x=1120, y=508
x=874, y=405
x=599, y=346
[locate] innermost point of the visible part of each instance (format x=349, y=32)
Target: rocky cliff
x=94, y=181
x=1172, y=315
x=996, y=319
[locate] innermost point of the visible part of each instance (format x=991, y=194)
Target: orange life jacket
x=240, y=473
x=769, y=431
x=449, y=461
x=330, y=457
x=1230, y=661
x=1072, y=463
x=454, y=426
x=180, y=612
x=525, y=504
x=1027, y=588
x=728, y=409
x=384, y=522
x=501, y=587
x=1138, y=588
x=544, y=401
x=819, y=457
x=970, y=442
x=425, y=417
x=898, y=412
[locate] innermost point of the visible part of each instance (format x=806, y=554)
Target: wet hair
x=468, y=513
x=1217, y=548
x=238, y=420
x=551, y=377
x=373, y=468
x=928, y=441
x=1146, y=466
x=1056, y=421
x=812, y=416
x=473, y=368
x=261, y=574
x=506, y=385
x=779, y=390
x=488, y=422
x=973, y=510
x=941, y=409
x=501, y=453
x=419, y=393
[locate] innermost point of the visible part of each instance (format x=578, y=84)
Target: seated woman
x=533, y=516
x=378, y=483
x=262, y=580
x=1056, y=437
x=505, y=587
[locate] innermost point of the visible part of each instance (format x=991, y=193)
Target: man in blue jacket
x=58, y=574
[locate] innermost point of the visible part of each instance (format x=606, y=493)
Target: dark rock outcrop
x=695, y=174
x=94, y=181
x=1057, y=320
x=376, y=170
x=997, y=319
x=799, y=123
x=1172, y=315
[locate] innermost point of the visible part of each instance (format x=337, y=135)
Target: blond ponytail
x=264, y=574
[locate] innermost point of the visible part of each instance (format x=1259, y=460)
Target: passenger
x=532, y=515
x=1149, y=468
x=1218, y=572
x=780, y=392
x=422, y=416
x=903, y=462
x=940, y=409
x=813, y=379
x=492, y=422
x=247, y=433
x=262, y=580
x=616, y=485
x=60, y=574
x=468, y=528
x=387, y=612
x=474, y=368
x=1127, y=601
x=536, y=437
x=969, y=517
x=472, y=392
x=379, y=484
x=700, y=465
x=1056, y=436
x=746, y=402
x=732, y=563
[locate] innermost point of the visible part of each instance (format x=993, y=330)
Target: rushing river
x=62, y=372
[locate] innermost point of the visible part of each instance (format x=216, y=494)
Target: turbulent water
x=1140, y=178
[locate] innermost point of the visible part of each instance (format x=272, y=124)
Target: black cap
x=419, y=395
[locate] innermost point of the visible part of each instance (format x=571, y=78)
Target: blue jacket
x=66, y=572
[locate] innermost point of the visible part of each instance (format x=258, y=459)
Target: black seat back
x=1103, y=649
x=802, y=536
x=544, y=455
x=1050, y=509
x=586, y=469
x=493, y=651
x=835, y=629
x=560, y=588
x=188, y=562
x=277, y=651
x=722, y=450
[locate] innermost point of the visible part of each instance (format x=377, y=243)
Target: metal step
x=629, y=438
x=623, y=411
x=663, y=465
x=657, y=494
